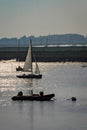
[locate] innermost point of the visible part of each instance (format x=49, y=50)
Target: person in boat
x=19, y=67
x=41, y=93
x=20, y=93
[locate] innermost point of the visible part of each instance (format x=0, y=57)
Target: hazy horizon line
x=42, y=35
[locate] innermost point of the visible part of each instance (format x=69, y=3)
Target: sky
x=42, y=17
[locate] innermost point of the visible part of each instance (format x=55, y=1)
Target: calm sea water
x=63, y=79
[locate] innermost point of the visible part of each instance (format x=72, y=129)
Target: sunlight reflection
x=4, y=89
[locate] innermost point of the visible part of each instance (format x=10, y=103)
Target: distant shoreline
x=46, y=54
x=55, y=39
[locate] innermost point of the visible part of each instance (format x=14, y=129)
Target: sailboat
x=28, y=67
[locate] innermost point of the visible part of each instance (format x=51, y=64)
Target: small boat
x=33, y=97
x=84, y=65
x=28, y=66
x=19, y=68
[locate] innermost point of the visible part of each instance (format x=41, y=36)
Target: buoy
x=73, y=98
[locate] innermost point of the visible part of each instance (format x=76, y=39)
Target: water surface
x=63, y=79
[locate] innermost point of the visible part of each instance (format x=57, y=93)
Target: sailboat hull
x=34, y=97
x=38, y=76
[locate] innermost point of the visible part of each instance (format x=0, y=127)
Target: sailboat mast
x=31, y=54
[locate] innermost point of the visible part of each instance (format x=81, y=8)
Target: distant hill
x=63, y=39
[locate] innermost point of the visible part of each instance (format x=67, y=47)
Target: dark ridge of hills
x=63, y=39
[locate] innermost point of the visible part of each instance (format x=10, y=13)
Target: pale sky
x=42, y=17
